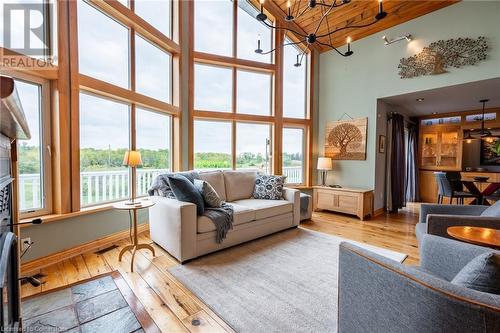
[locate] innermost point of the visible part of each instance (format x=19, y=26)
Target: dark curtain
x=397, y=167
x=411, y=185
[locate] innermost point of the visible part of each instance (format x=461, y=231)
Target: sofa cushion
x=185, y=190
x=268, y=187
x=208, y=193
x=239, y=184
x=492, y=211
x=242, y=214
x=216, y=179
x=266, y=208
x=420, y=230
x=481, y=273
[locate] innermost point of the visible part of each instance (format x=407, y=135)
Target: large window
x=157, y=13
x=103, y=46
x=153, y=70
x=153, y=140
x=249, y=31
x=212, y=88
x=212, y=145
x=254, y=93
x=294, y=83
x=213, y=27
x=34, y=154
x=253, y=146
x=293, y=155
x=104, y=138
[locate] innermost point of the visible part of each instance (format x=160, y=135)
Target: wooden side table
x=135, y=244
x=476, y=235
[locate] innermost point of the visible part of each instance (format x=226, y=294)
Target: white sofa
x=175, y=226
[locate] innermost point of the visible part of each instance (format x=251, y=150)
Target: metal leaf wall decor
x=438, y=56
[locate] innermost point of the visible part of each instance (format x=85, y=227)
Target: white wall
x=354, y=84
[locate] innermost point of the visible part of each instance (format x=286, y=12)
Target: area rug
x=286, y=282
x=104, y=304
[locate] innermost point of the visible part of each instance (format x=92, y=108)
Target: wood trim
x=109, y=90
x=213, y=59
x=191, y=91
x=380, y=211
x=278, y=105
x=36, y=67
x=94, y=245
x=232, y=116
x=126, y=16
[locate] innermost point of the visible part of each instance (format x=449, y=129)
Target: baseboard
x=39, y=263
x=378, y=212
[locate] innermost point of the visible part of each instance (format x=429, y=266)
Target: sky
x=103, y=53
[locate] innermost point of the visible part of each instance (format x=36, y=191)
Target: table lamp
x=324, y=164
x=132, y=159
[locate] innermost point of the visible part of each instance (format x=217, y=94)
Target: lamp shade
x=132, y=158
x=324, y=163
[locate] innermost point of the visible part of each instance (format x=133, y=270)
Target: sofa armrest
x=437, y=223
x=173, y=226
x=293, y=196
x=426, y=209
x=444, y=257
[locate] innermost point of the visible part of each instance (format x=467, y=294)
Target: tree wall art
x=346, y=139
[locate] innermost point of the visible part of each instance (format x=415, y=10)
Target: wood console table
x=347, y=200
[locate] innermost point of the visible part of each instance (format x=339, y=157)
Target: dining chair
x=451, y=187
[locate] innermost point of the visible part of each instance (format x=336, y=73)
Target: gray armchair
x=379, y=295
x=435, y=219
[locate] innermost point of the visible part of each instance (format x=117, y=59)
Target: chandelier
x=294, y=12
x=483, y=133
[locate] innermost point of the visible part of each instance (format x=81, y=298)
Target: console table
x=347, y=200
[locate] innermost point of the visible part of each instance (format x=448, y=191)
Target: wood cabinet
x=440, y=147
x=358, y=202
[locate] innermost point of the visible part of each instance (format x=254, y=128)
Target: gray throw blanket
x=222, y=218
x=304, y=204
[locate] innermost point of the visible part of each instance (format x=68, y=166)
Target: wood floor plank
x=201, y=322
x=95, y=264
x=27, y=289
x=74, y=269
x=54, y=278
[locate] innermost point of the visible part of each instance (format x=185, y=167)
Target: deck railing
x=104, y=186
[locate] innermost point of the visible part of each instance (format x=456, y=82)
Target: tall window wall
x=239, y=119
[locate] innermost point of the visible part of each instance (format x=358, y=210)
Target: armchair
x=379, y=295
x=435, y=219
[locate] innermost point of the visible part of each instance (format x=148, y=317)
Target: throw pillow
x=185, y=191
x=492, y=211
x=208, y=193
x=268, y=187
x=481, y=273
x=161, y=187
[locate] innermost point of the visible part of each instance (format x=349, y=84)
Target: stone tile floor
x=93, y=306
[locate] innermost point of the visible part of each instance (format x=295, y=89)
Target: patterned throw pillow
x=208, y=193
x=269, y=187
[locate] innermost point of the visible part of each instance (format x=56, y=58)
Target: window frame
x=304, y=152
x=45, y=143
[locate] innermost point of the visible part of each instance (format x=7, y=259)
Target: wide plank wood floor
x=173, y=307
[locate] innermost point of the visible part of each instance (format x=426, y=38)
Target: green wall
x=354, y=84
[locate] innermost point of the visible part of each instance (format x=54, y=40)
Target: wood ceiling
x=358, y=12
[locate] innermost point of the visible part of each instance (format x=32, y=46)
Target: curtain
x=411, y=180
x=396, y=168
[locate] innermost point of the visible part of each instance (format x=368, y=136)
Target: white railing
x=102, y=186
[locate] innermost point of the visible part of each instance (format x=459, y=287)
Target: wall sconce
x=397, y=39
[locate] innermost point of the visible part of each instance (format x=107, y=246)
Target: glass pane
x=153, y=70
x=104, y=138
x=31, y=151
x=153, y=138
x=294, y=83
x=212, y=145
x=449, y=148
x=254, y=93
x=102, y=46
x=213, y=22
x=429, y=149
x=212, y=88
x=155, y=12
x=293, y=155
x=253, y=146
x=249, y=31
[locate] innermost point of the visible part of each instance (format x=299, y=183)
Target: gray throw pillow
x=208, y=193
x=492, y=211
x=481, y=273
x=268, y=187
x=161, y=187
x=185, y=191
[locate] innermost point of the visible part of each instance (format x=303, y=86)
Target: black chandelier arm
x=283, y=28
x=347, y=27
x=332, y=47
x=281, y=46
x=334, y=4
x=302, y=56
x=306, y=8
x=323, y=17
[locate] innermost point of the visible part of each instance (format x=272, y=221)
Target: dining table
x=481, y=196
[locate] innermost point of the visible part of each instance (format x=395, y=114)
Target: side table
x=135, y=244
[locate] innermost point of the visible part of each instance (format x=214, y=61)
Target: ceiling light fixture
x=484, y=134
x=294, y=11
x=420, y=99
x=397, y=39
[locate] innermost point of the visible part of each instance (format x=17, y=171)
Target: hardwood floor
x=176, y=309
